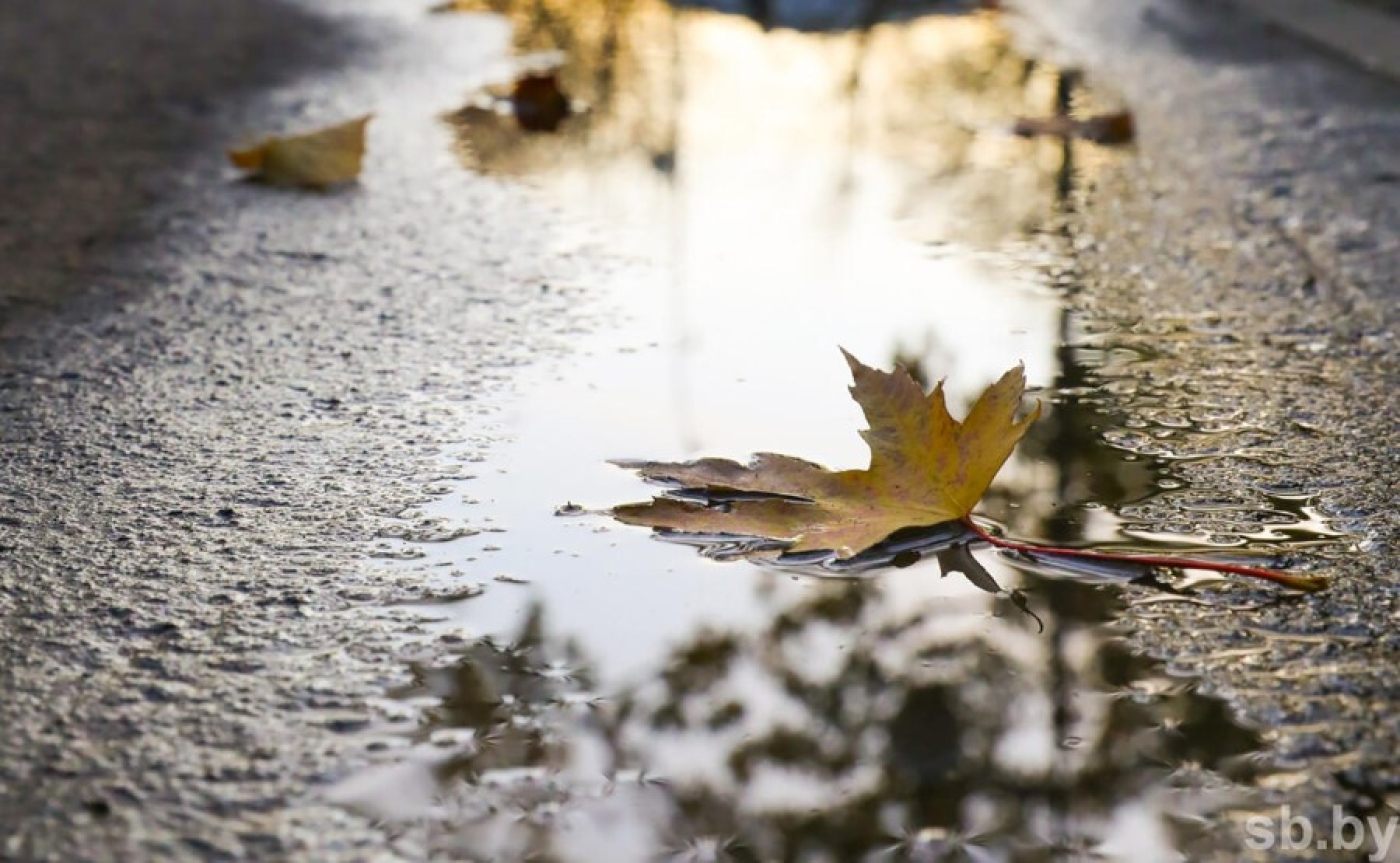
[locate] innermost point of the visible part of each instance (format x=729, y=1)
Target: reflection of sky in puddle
x=777, y=204
x=781, y=227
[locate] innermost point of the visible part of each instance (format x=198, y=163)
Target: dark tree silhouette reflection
x=857, y=725
x=905, y=737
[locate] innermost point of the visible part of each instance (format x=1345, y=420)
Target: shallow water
x=594, y=694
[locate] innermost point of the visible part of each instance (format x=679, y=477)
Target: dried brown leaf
x=925, y=468
x=315, y=160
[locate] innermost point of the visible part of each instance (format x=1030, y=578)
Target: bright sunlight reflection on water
x=791, y=214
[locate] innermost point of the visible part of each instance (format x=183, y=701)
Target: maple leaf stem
x=1306, y=583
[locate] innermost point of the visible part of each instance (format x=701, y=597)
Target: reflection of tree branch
x=901, y=728
x=941, y=738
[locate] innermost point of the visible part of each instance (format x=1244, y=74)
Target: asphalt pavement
x=213, y=396
x=1254, y=245
x=103, y=106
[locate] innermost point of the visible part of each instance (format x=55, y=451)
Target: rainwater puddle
x=590, y=694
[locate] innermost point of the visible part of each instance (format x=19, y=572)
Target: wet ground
x=1306, y=277
x=370, y=595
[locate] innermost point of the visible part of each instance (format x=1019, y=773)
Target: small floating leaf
x=538, y=102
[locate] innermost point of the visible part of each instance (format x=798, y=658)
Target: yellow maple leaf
x=925, y=468
x=315, y=160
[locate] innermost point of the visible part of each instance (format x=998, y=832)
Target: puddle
x=900, y=718
x=592, y=694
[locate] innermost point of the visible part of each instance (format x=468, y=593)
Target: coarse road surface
x=214, y=395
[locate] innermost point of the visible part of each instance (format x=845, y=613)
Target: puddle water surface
x=773, y=194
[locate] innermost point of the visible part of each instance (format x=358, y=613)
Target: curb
x=1359, y=33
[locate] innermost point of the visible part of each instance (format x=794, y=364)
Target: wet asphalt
x=214, y=396
x=1254, y=249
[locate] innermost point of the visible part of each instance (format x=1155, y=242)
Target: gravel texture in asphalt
x=210, y=393
x=1252, y=255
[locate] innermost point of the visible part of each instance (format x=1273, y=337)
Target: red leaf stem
x=1305, y=583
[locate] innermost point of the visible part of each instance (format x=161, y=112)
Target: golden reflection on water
x=797, y=191
x=804, y=190
x=669, y=94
